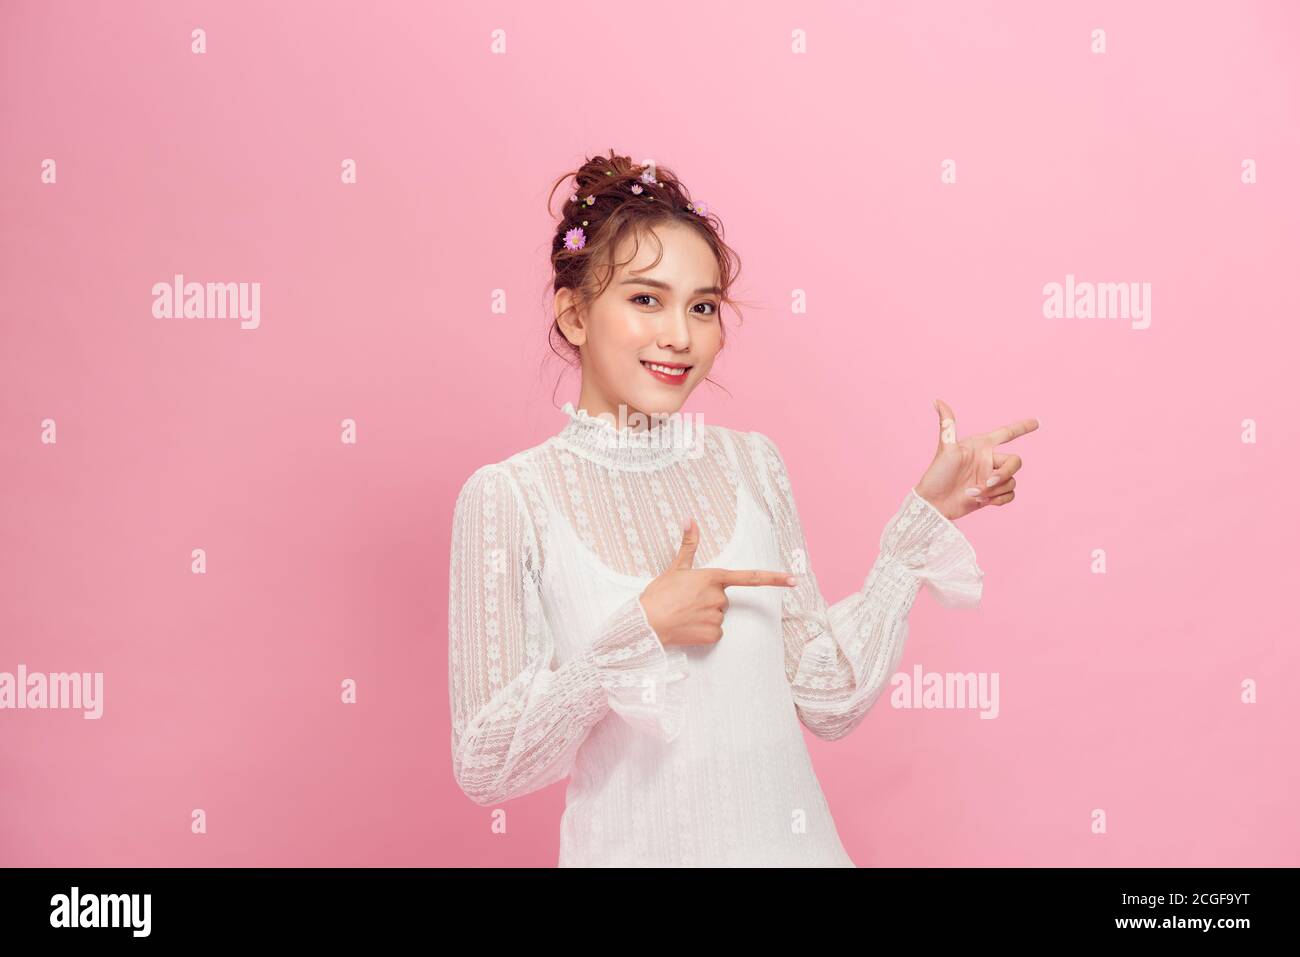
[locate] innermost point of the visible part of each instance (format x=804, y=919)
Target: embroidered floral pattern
x=522, y=713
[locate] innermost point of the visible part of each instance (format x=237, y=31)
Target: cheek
x=620, y=331
x=633, y=330
x=621, y=340
x=708, y=341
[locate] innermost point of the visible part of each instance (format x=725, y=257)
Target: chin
x=655, y=402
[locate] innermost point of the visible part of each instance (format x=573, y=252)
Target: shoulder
x=740, y=439
x=757, y=446
x=758, y=453
x=483, y=489
x=500, y=484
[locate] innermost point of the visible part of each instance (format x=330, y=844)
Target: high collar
x=634, y=447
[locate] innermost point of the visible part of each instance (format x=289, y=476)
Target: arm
x=838, y=659
x=517, y=722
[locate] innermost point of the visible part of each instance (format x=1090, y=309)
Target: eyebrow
x=659, y=284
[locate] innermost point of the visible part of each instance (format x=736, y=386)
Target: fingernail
x=972, y=491
x=792, y=579
x=993, y=480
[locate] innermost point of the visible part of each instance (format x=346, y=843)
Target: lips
x=672, y=373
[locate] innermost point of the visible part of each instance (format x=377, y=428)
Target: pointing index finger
x=1012, y=431
x=731, y=576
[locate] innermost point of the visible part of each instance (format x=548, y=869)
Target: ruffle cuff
x=643, y=679
x=924, y=541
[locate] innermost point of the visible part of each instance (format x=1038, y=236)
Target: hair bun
x=599, y=171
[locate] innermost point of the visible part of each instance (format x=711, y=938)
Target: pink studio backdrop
x=327, y=561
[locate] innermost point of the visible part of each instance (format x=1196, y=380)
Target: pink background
x=328, y=561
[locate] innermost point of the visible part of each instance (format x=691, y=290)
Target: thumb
x=947, y=423
x=690, y=541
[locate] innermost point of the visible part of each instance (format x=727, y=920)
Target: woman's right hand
x=685, y=604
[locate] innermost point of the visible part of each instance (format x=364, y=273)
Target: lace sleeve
x=517, y=722
x=838, y=659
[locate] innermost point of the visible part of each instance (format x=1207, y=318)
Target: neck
x=630, y=440
x=619, y=414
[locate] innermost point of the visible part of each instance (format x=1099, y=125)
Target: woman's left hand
x=967, y=474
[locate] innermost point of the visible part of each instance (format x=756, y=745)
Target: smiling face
x=651, y=336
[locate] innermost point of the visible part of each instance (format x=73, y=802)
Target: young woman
x=632, y=602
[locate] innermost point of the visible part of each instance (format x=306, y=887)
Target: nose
x=674, y=331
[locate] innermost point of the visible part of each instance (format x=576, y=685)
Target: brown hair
x=618, y=210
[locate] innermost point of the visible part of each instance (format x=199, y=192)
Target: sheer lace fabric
x=677, y=755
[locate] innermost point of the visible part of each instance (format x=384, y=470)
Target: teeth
x=667, y=370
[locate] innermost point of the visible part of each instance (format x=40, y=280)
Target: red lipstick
x=670, y=378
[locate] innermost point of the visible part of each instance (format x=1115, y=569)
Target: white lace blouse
x=677, y=755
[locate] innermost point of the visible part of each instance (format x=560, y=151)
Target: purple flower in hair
x=575, y=238
x=701, y=208
x=636, y=188
x=649, y=177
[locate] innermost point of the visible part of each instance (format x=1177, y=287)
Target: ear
x=568, y=317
